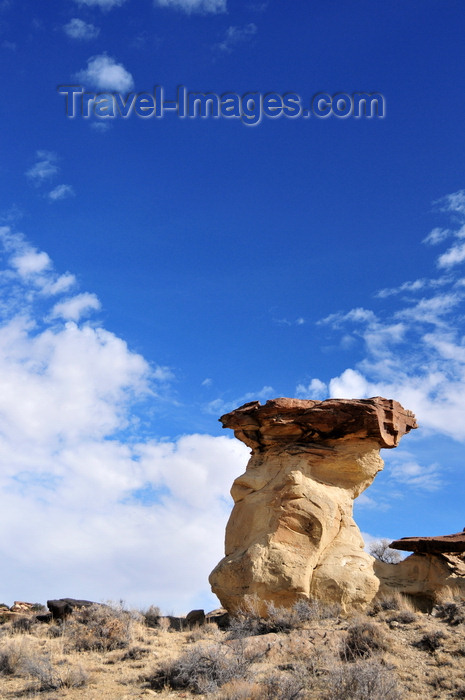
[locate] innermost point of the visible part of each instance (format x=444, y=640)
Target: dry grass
x=309, y=653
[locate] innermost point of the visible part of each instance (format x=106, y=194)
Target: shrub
x=404, y=616
x=363, y=680
x=22, y=625
x=11, y=658
x=135, y=654
x=285, y=685
x=452, y=613
x=240, y=690
x=202, y=669
x=99, y=628
x=248, y=622
x=151, y=616
x=312, y=610
x=363, y=639
x=431, y=641
x=53, y=678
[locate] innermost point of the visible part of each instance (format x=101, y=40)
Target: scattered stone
x=291, y=534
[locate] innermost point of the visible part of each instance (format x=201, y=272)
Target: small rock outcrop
x=437, y=564
x=63, y=607
x=450, y=544
x=291, y=533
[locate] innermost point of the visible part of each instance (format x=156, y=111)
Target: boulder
x=63, y=607
x=59, y=609
x=291, y=533
x=220, y=617
x=195, y=618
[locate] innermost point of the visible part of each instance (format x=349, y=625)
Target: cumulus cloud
x=30, y=262
x=44, y=168
x=316, y=389
x=235, y=36
x=192, y=6
x=103, y=73
x=110, y=514
x=61, y=192
x=78, y=29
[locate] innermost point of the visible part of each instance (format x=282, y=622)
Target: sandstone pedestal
x=291, y=533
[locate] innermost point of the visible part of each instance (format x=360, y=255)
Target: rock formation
x=291, y=533
x=438, y=564
x=451, y=544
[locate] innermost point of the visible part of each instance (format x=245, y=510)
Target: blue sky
x=159, y=272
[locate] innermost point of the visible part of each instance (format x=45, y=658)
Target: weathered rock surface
x=432, y=545
x=438, y=564
x=423, y=576
x=291, y=533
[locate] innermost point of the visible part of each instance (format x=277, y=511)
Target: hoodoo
x=291, y=533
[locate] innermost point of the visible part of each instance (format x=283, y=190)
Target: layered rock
x=291, y=533
x=437, y=565
x=450, y=544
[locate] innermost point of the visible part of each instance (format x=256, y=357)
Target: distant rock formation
x=291, y=533
x=450, y=544
x=438, y=564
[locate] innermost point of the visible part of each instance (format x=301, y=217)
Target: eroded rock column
x=291, y=533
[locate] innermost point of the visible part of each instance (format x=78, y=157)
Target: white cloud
x=111, y=515
x=437, y=235
x=45, y=167
x=300, y=321
x=220, y=406
x=413, y=352
x=61, y=192
x=453, y=203
x=453, y=256
x=76, y=307
x=358, y=315
x=78, y=29
x=431, y=310
x=349, y=385
x=30, y=262
x=103, y=4
x=103, y=73
x=235, y=36
x=315, y=390
x=192, y=6
x=414, y=475
x=412, y=287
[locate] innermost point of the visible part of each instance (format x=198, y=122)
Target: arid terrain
x=390, y=652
